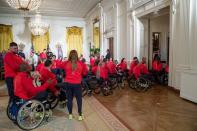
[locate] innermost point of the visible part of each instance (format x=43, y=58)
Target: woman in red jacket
x=74, y=71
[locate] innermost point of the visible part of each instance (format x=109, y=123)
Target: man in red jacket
x=46, y=74
x=11, y=65
x=24, y=88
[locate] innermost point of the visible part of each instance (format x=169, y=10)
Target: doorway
x=111, y=46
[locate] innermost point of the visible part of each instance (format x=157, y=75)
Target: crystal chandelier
x=38, y=27
x=24, y=5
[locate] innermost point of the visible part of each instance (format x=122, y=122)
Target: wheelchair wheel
x=84, y=91
x=132, y=83
x=141, y=85
x=113, y=83
x=52, y=100
x=97, y=89
x=30, y=115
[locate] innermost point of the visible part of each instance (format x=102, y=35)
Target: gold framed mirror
x=96, y=34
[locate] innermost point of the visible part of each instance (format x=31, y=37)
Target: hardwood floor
x=158, y=109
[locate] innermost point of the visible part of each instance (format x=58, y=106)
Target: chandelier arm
x=19, y=3
x=28, y=4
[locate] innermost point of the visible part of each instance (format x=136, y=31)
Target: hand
x=49, y=81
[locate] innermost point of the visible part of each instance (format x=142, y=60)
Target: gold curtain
x=40, y=42
x=6, y=36
x=74, y=39
x=96, y=37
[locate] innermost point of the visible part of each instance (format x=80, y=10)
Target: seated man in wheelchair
x=112, y=72
x=157, y=69
x=24, y=88
x=140, y=70
x=47, y=74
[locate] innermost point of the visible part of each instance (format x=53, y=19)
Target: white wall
x=21, y=33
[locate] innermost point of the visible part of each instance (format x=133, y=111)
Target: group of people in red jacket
x=20, y=81
x=105, y=68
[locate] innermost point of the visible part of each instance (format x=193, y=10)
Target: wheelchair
x=140, y=85
x=28, y=114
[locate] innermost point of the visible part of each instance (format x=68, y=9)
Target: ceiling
x=64, y=8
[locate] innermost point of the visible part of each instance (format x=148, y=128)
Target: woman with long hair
x=74, y=71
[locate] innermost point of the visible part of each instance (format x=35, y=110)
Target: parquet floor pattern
x=158, y=109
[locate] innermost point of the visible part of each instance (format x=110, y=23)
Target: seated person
x=94, y=68
x=111, y=67
x=24, y=88
x=102, y=72
x=46, y=74
x=144, y=69
x=123, y=65
x=132, y=65
x=157, y=65
x=141, y=71
x=157, y=69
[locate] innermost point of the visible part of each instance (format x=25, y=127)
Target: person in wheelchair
x=47, y=74
x=102, y=73
x=24, y=88
x=157, y=69
x=85, y=79
x=140, y=70
x=132, y=65
x=112, y=70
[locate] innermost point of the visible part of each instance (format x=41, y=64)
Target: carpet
x=97, y=118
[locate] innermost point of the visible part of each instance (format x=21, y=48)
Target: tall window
x=6, y=36
x=40, y=42
x=74, y=39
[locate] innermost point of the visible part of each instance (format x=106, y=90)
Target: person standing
x=74, y=71
x=11, y=64
x=107, y=55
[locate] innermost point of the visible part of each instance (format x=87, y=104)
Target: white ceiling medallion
x=37, y=26
x=25, y=5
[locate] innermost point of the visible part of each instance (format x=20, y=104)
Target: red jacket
x=43, y=55
x=92, y=60
x=73, y=77
x=11, y=64
x=137, y=71
x=103, y=71
x=85, y=69
x=24, y=88
x=123, y=66
x=39, y=67
x=143, y=68
x=157, y=66
x=111, y=67
x=132, y=65
x=94, y=69
x=46, y=75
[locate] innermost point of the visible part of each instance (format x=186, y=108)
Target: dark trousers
x=10, y=85
x=71, y=91
x=41, y=96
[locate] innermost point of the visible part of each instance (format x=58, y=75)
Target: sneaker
x=80, y=118
x=70, y=116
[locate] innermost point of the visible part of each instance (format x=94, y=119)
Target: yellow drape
x=6, y=36
x=74, y=39
x=96, y=37
x=40, y=42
